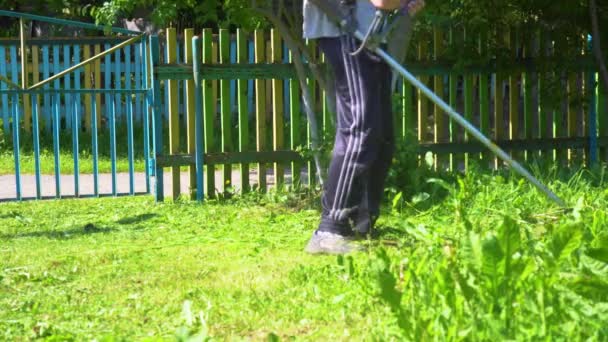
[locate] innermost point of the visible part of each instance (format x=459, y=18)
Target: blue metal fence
x=101, y=95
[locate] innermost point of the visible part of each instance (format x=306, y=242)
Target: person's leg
x=362, y=90
x=362, y=87
x=382, y=164
x=334, y=236
x=332, y=48
x=369, y=210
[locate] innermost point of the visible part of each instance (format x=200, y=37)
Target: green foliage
x=3, y=138
x=564, y=19
x=58, y=8
x=413, y=181
x=67, y=9
x=566, y=22
x=491, y=280
x=185, y=13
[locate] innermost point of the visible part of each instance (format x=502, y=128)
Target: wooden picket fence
x=252, y=104
x=245, y=118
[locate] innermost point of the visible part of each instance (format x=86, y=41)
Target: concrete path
x=28, y=184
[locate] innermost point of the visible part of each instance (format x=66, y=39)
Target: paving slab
x=86, y=184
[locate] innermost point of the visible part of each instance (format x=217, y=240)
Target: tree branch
x=293, y=45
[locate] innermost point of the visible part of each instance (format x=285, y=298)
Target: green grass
x=47, y=159
x=483, y=257
x=47, y=164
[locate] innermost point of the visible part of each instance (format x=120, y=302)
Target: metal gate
x=52, y=101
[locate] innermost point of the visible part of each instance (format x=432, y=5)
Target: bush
x=411, y=176
x=3, y=139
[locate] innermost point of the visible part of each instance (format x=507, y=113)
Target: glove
x=413, y=6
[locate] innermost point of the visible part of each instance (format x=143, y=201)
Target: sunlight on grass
x=475, y=262
x=47, y=164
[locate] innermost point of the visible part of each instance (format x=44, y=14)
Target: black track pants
x=364, y=144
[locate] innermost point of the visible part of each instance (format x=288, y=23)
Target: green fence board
x=260, y=107
x=226, y=114
x=243, y=109
x=208, y=112
x=295, y=116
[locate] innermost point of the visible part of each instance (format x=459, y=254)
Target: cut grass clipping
x=484, y=257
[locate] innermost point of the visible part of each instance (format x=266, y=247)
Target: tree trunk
x=597, y=49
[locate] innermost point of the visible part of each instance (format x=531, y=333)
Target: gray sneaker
x=330, y=243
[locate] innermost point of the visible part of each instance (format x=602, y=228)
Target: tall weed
x=512, y=265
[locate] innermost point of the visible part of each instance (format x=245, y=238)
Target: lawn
x=66, y=156
x=66, y=163
x=484, y=257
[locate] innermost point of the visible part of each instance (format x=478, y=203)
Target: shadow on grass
x=9, y=215
x=88, y=229
x=389, y=233
x=136, y=219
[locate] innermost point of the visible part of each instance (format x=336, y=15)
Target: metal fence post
x=198, y=119
x=157, y=122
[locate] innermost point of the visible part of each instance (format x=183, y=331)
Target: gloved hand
x=388, y=5
x=414, y=6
